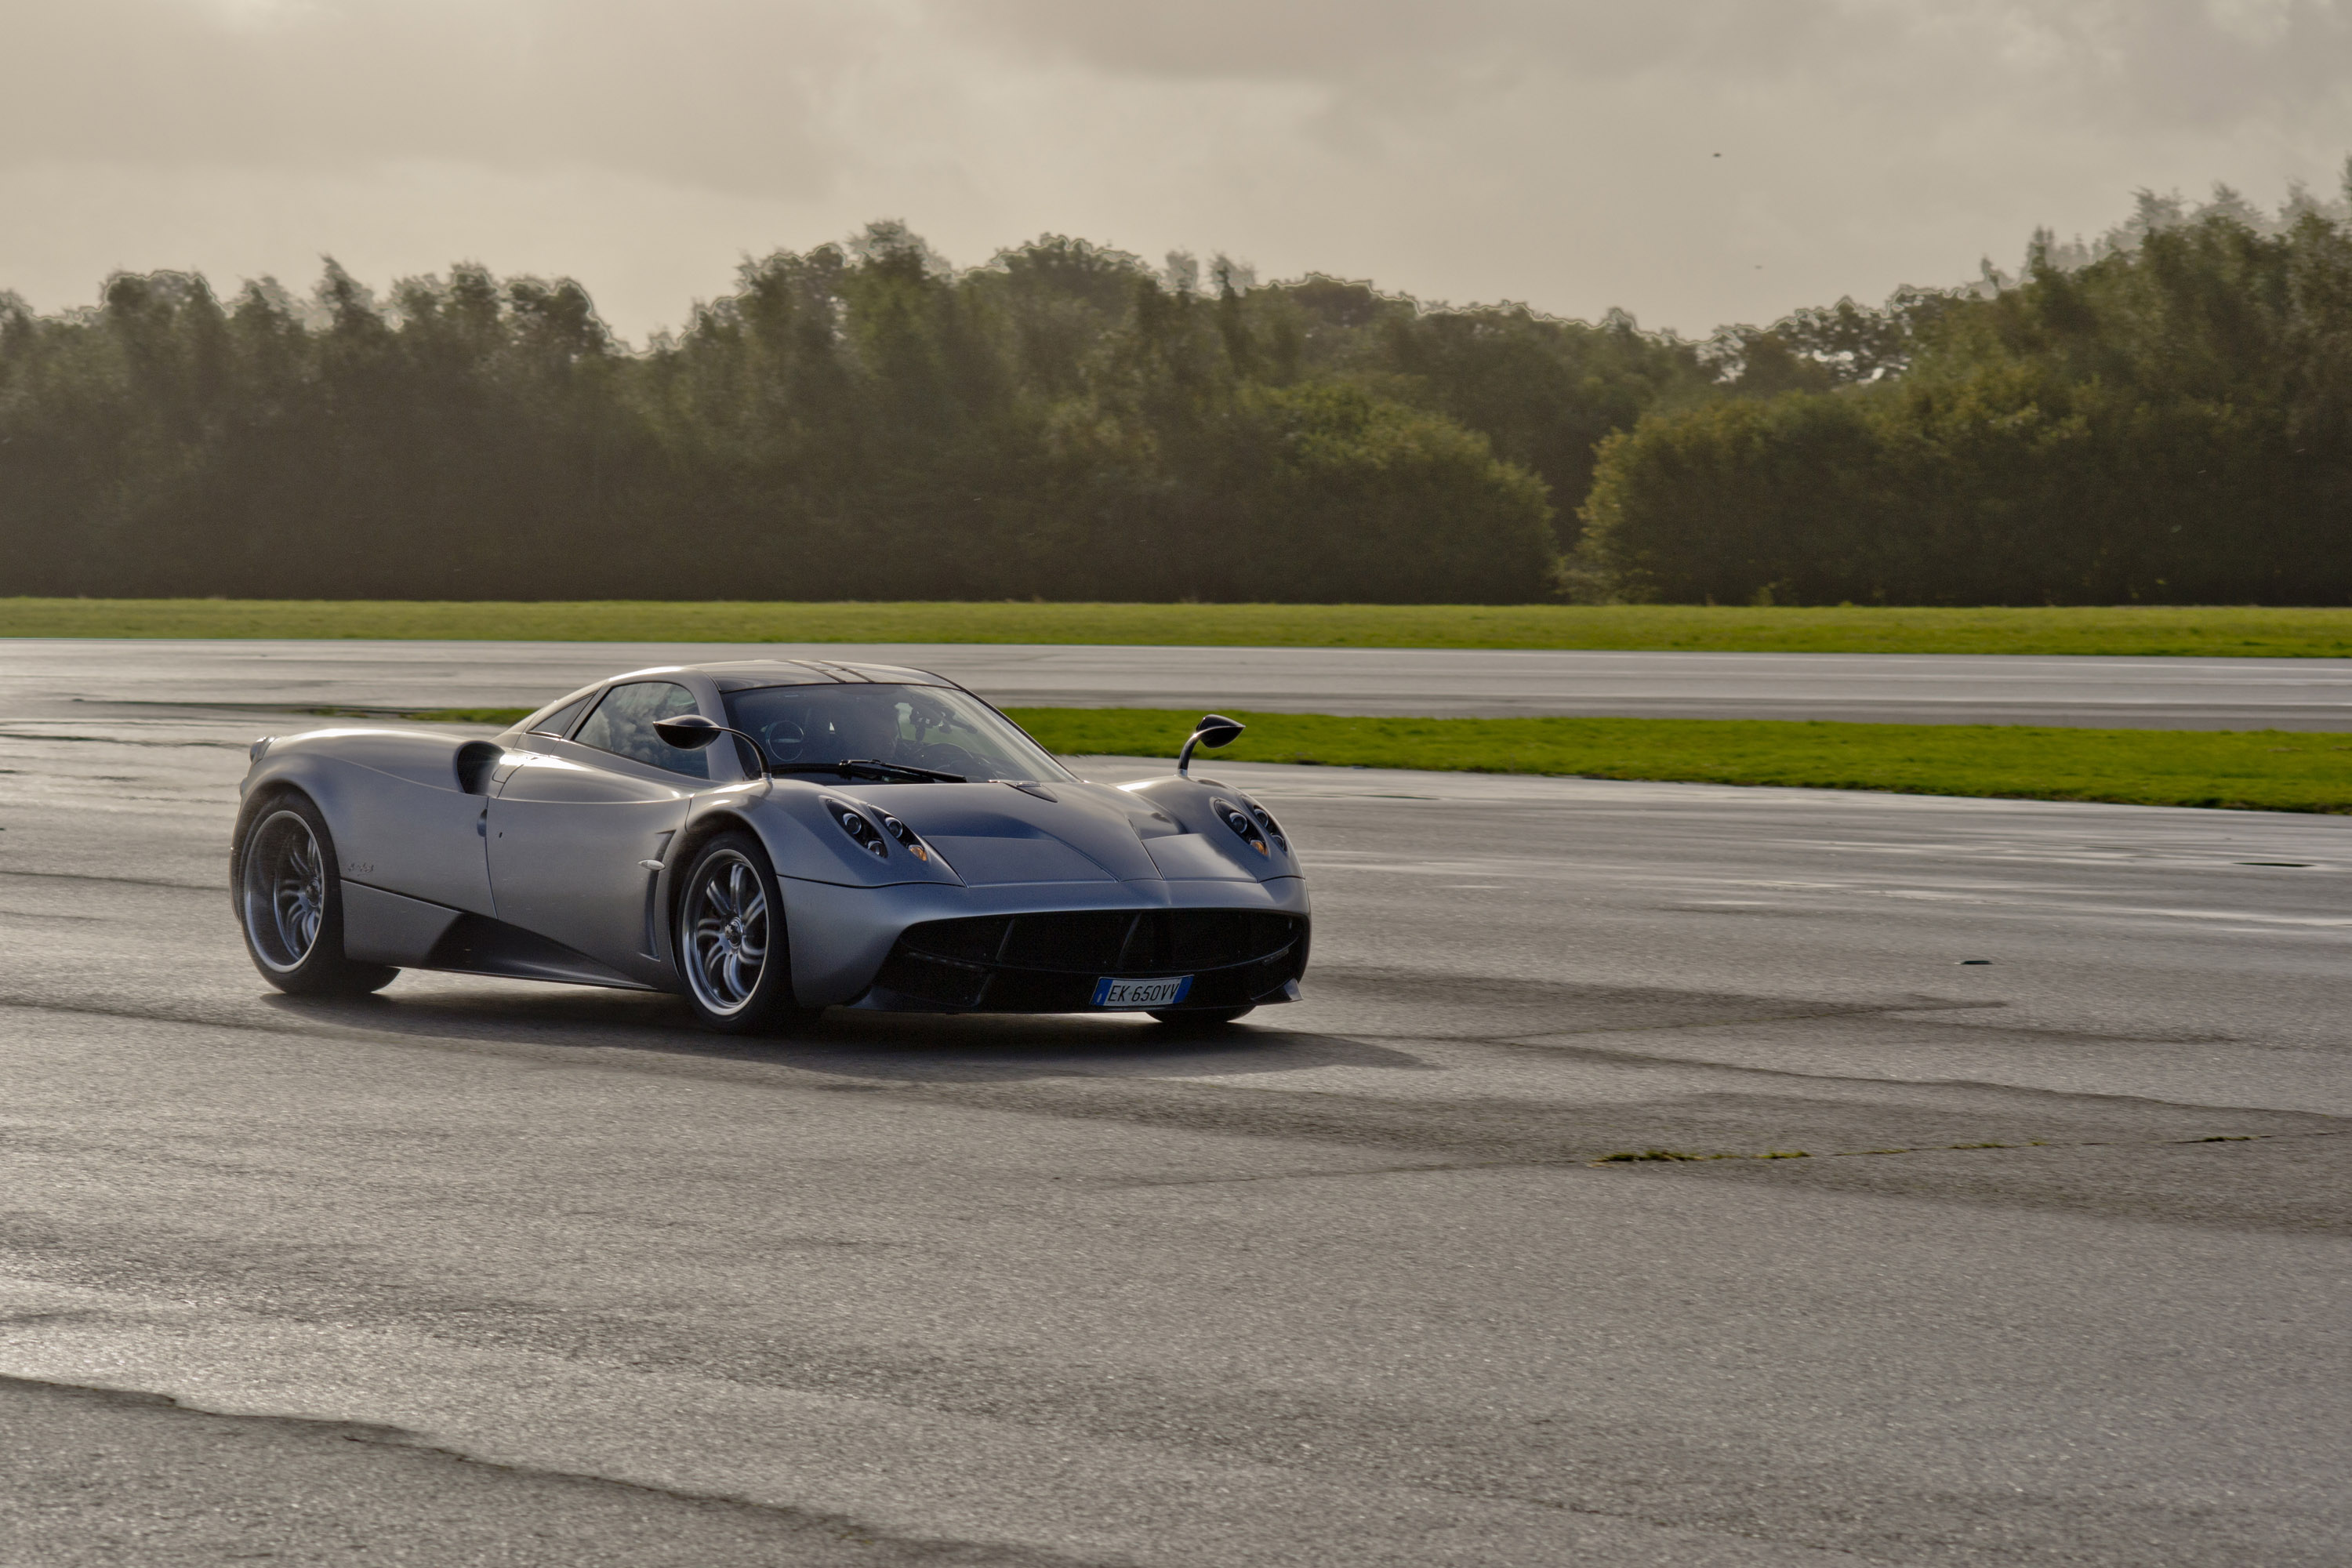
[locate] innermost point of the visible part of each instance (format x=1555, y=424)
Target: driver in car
x=799, y=728
x=867, y=730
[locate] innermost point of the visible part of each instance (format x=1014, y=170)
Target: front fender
x=1268, y=856
x=802, y=841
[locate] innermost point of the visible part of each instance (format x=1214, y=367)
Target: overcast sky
x=1696, y=162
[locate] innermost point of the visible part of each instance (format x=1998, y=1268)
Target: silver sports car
x=767, y=838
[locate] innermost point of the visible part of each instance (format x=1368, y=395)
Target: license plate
x=1162, y=992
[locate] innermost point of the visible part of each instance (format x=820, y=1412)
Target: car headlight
x=1265, y=820
x=859, y=826
x=1235, y=817
x=905, y=835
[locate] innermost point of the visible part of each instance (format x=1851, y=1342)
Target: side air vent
x=474, y=760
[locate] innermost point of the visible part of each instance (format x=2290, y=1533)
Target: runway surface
x=481, y=1271
x=65, y=675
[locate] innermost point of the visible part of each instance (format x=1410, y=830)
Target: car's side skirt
x=411, y=933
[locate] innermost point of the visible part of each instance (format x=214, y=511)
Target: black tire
x=290, y=902
x=729, y=939
x=1201, y=1018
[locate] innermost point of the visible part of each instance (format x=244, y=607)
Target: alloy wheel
x=284, y=890
x=726, y=929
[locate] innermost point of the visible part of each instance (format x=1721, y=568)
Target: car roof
x=743, y=675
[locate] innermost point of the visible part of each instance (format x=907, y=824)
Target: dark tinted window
x=622, y=724
x=559, y=721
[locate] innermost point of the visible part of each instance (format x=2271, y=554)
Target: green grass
x=2138, y=631
x=2261, y=770
x=2243, y=770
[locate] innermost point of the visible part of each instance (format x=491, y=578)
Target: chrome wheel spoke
x=724, y=933
x=284, y=890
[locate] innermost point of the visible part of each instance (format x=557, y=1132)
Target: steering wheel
x=946, y=757
x=783, y=739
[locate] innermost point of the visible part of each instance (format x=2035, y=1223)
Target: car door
x=573, y=824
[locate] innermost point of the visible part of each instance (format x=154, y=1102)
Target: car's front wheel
x=290, y=904
x=730, y=939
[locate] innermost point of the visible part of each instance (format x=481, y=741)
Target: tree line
x=856, y=422
x=2165, y=415
x=2164, y=418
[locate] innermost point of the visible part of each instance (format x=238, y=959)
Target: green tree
x=2169, y=423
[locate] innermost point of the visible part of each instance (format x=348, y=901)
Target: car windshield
x=933, y=727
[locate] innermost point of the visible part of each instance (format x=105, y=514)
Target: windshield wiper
x=850, y=767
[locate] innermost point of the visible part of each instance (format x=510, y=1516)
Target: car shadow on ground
x=902, y=1047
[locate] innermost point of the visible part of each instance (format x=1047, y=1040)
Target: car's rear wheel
x=1199, y=1017
x=730, y=939
x=290, y=904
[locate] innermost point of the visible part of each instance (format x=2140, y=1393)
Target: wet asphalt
x=487, y=1272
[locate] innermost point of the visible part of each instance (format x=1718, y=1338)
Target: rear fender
x=397, y=803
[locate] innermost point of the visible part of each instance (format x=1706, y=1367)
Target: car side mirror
x=692, y=732
x=687, y=731
x=1215, y=730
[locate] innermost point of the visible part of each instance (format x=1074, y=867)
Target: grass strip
x=2137, y=630
x=2258, y=770
x=2238, y=770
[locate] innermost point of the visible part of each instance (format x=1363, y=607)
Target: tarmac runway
x=65, y=675
x=486, y=1272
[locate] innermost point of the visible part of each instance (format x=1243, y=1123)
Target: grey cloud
x=2165, y=58
x=780, y=97
x=725, y=94
x=1559, y=151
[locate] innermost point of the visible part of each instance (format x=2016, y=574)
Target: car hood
x=1059, y=832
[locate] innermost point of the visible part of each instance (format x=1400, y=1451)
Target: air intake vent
x=1048, y=962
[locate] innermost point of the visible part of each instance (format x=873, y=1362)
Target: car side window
x=622, y=724
x=558, y=723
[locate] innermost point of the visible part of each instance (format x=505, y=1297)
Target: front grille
x=1091, y=941
x=1048, y=962
x=935, y=980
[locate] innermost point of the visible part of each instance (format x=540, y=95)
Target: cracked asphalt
x=480, y=1273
